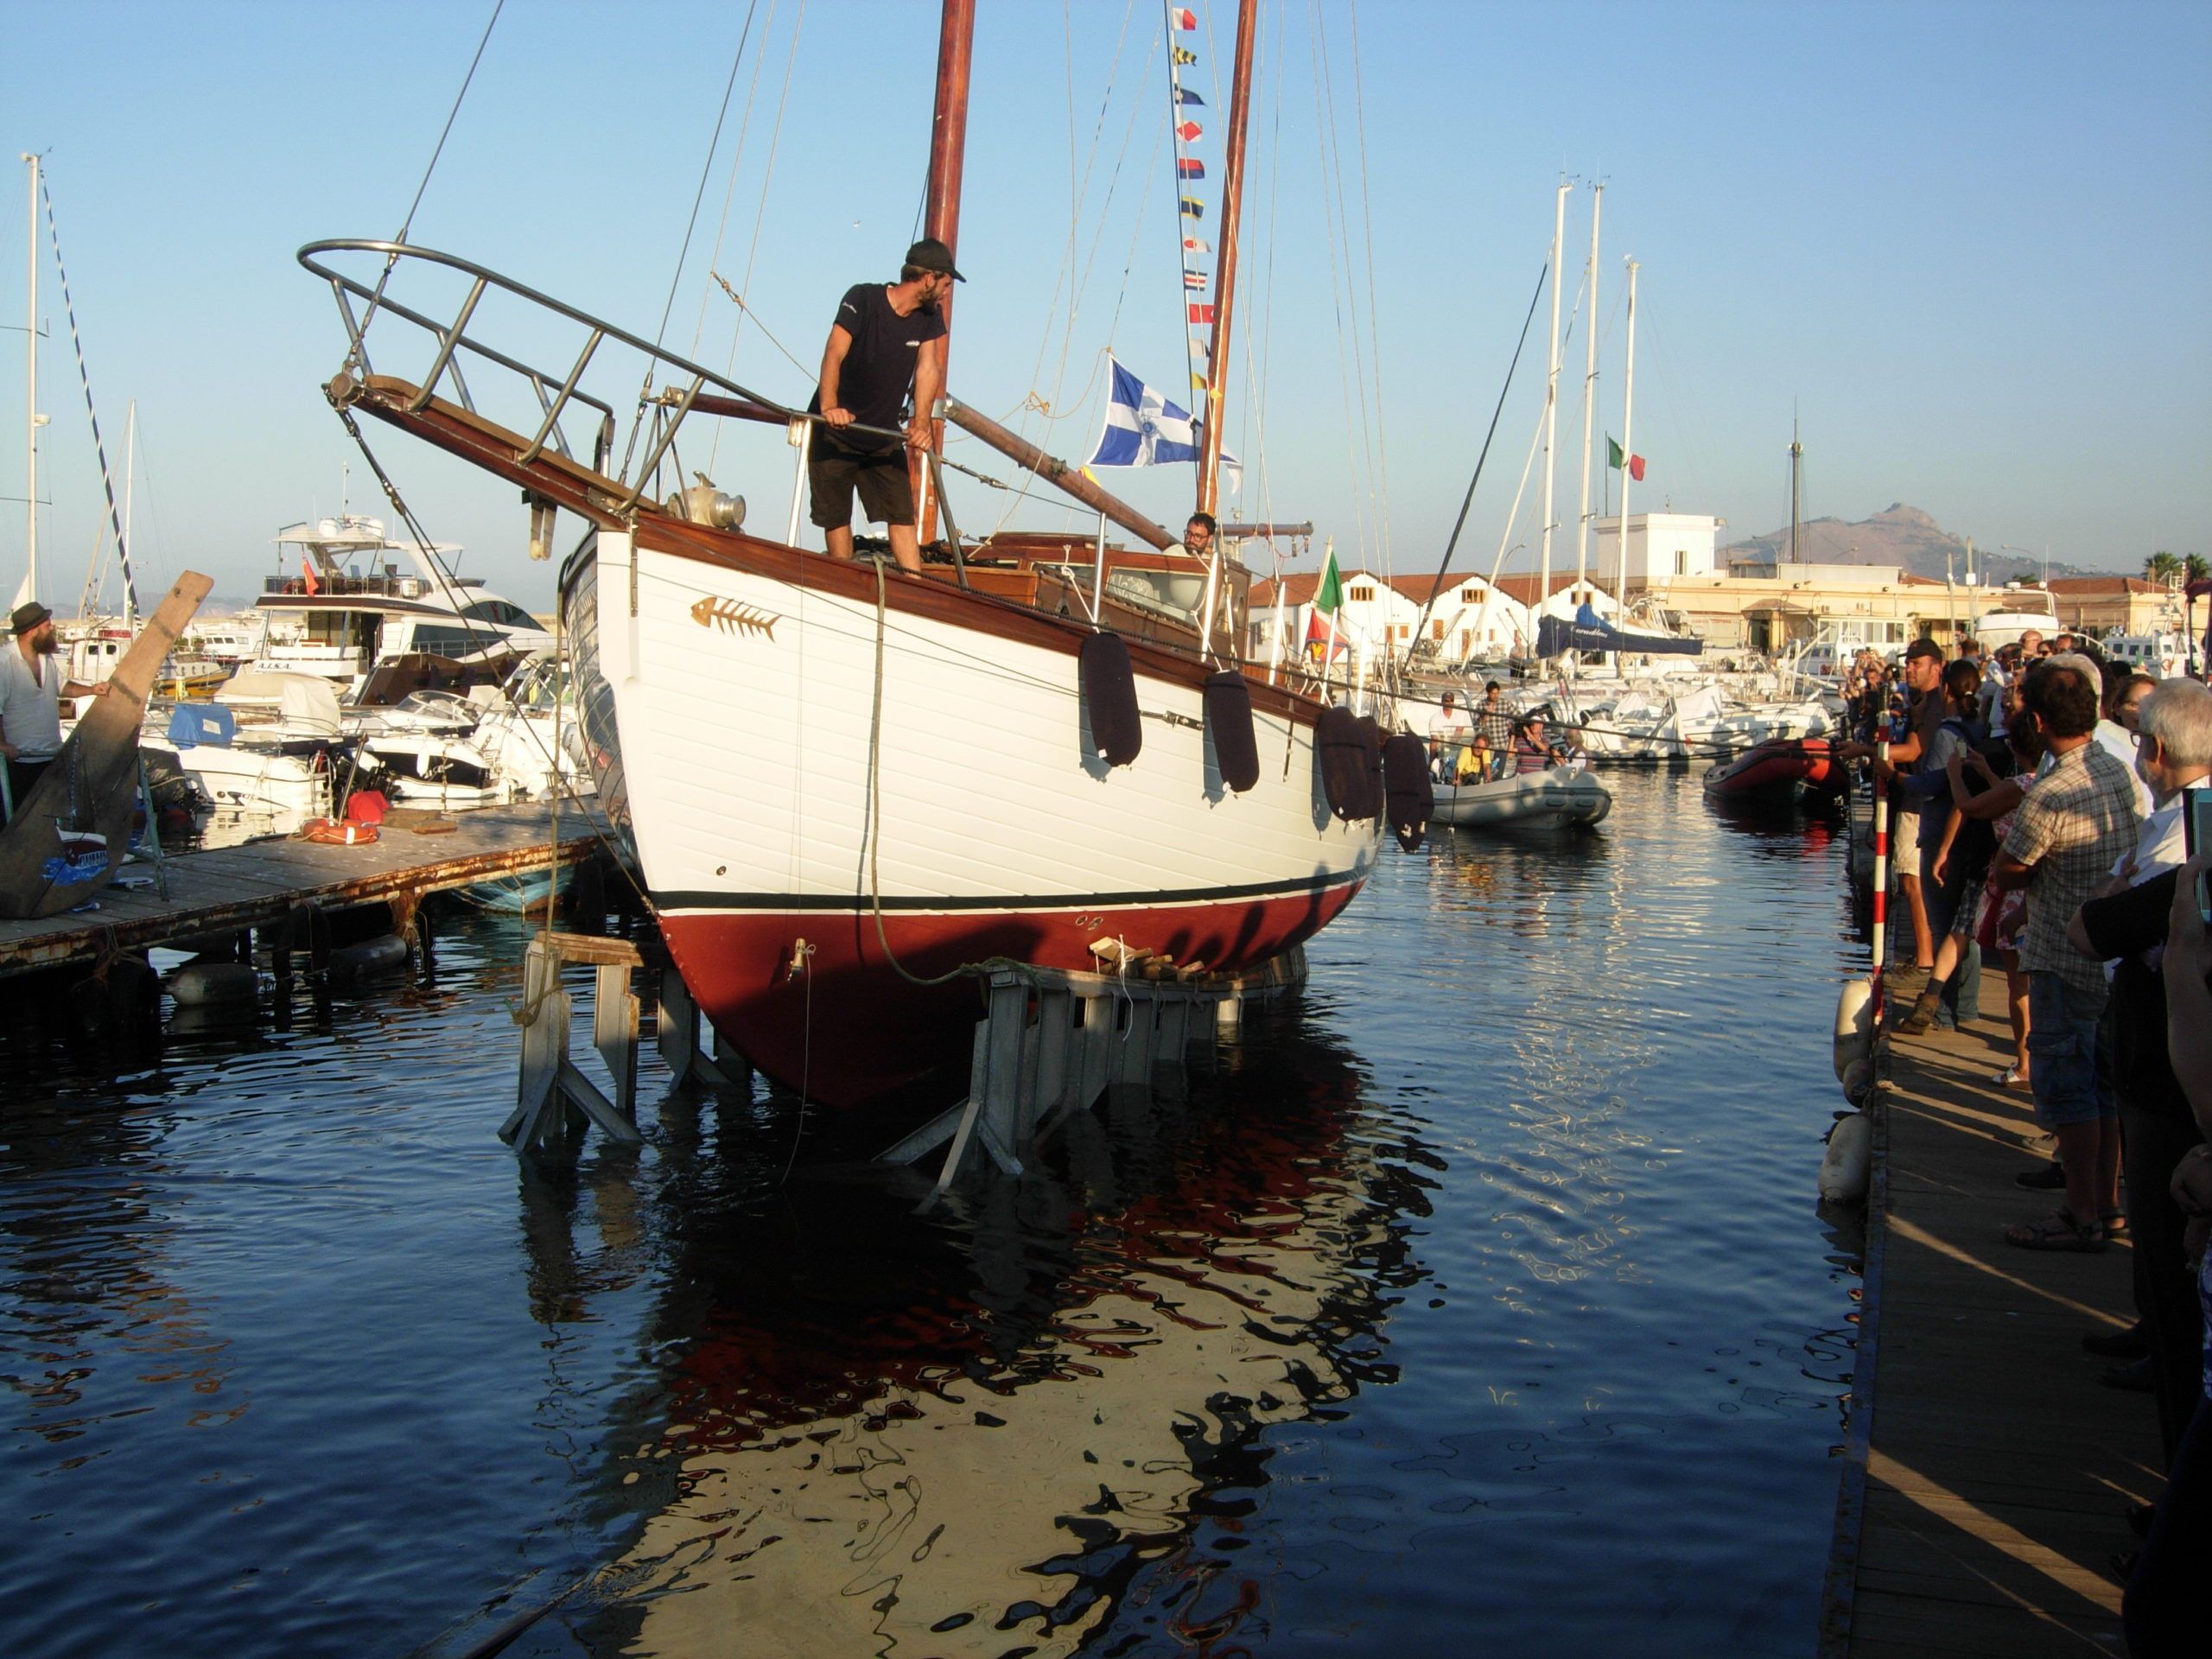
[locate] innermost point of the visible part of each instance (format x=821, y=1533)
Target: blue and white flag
x=1144, y=430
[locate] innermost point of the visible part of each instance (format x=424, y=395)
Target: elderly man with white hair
x=2126, y=928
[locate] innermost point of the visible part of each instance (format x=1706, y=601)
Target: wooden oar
x=64, y=842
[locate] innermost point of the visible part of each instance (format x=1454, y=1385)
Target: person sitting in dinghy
x=1531, y=752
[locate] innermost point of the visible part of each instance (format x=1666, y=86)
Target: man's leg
x=903, y=548
x=840, y=541
x=1923, y=943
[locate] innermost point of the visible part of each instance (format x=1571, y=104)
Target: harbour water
x=1478, y=1297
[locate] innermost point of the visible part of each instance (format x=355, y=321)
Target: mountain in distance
x=1898, y=536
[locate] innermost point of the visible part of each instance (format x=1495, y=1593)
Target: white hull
x=742, y=704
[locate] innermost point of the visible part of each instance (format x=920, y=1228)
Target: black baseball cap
x=1924, y=647
x=930, y=254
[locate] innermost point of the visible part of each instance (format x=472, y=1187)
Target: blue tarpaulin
x=1588, y=632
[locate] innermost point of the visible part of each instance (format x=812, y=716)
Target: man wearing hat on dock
x=31, y=690
x=886, y=339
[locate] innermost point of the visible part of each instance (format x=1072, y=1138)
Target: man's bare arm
x=929, y=386
x=833, y=366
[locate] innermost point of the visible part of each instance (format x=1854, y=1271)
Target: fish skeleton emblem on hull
x=734, y=618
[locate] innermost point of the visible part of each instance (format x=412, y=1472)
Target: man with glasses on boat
x=31, y=690
x=887, y=339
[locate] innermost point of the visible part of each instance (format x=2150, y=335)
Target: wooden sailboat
x=846, y=785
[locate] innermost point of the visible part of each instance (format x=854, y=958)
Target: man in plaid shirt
x=2076, y=822
x=1494, y=721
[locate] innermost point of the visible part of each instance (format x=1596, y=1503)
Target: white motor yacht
x=360, y=600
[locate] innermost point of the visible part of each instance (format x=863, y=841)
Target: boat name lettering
x=734, y=618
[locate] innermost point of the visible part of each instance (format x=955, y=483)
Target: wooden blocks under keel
x=1053, y=1041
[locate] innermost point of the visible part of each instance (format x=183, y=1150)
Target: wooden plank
x=1998, y=1472
x=260, y=882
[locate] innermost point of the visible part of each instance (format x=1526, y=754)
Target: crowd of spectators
x=2043, y=805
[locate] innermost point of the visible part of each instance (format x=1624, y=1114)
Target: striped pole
x=1881, y=873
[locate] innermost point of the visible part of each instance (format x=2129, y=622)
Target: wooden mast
x=1232, y=213
x=941, y=213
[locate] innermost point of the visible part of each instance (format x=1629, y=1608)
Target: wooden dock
x=1989, y=1471
x=263, y=883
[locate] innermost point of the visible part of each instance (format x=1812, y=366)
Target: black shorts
x=887, y=495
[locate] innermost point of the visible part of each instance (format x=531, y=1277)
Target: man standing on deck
x=2077, y=822
x=31, y=690
x=886, y=339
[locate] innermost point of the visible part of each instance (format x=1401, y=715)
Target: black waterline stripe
x=860, y=904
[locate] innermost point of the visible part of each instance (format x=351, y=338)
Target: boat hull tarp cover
x=1555, y=636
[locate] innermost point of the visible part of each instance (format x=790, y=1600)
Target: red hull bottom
x=848, y=1030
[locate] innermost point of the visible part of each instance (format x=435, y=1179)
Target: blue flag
x=1144, y=430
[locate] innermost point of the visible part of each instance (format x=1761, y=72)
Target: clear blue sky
x=1969, y=244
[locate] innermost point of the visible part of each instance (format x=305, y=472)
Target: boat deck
x=262, y=882
x=1990, y=1472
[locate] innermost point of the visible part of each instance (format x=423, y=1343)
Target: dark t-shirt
x=2125, y=925
x=879, y=368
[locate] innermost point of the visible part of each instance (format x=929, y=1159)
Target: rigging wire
x=391, y=261
x=1329, y=198
x=736, y=163
x=1381, y=457
x=684, y=252
x=760, y=217
x=1468, y=499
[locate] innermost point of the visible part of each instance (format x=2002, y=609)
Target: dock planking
x=1994, y=1471
x=261, y=882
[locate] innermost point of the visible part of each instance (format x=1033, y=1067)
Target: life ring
x=338, y=832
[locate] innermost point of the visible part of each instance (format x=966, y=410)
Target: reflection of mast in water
x=1001, y=1431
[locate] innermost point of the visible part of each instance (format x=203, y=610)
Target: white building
x=1661, y=546
x=1470, y=619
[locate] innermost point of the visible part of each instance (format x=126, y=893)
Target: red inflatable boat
x=1781, y=769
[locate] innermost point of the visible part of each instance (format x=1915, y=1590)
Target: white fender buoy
x=1854, y=1023
x=198, y=983
x=1845, y=1169
x=385, y=951
x=1858, y=1082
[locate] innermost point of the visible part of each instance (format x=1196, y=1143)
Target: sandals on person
x=2010, y=1078
x=2114, y=1222
x=2056, y=1232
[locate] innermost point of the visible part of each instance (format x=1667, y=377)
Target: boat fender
x=385, y=951
x=1409, y=791
x=1371, y=772
x=1848, y=1162
x=1228, y=723
x=1858, y=1082
x=1854, y=1023
x=1345, y=759
x=198, y=983
x=1110, y=698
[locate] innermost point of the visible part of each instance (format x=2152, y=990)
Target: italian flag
x=1328, y=599
x=1615, y=459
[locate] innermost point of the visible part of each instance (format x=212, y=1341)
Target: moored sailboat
x=848, y=784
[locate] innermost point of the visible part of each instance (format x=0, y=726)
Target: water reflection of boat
x=961, y=1437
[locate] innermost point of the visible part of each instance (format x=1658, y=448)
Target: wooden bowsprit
x=65, y=840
